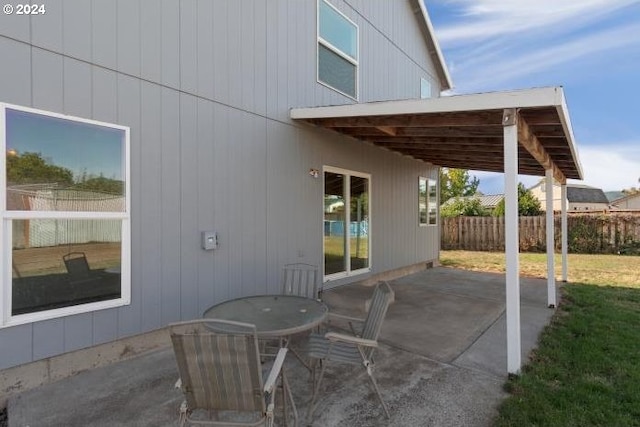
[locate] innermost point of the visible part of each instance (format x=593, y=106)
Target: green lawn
x=586, y=370
x=600, y=270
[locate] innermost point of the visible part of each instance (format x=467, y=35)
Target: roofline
x=563, y=113
x=526, y=98
x=434, y=47
x=620, y=199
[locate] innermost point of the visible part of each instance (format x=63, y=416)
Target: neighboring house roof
x=613, y=196
x=489, y=201
x=434, y=48
x=626, y=198
x=584, y=194
x=579, y=193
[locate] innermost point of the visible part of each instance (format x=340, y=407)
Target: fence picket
x=611, y=232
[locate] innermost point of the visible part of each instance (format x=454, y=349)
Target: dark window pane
x=61, y=263
x=433, y=202
x=359, y=216
x=334, y=223
x=56, y=164
x=422, y=201
x=336, y=71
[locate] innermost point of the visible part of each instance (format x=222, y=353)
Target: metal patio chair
x=221, y=374
x=301, y=280
x=356, y=349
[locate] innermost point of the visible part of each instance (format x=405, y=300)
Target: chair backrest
x=382, y=296
x=301, y=280
x=219, y=365
x=77, y=265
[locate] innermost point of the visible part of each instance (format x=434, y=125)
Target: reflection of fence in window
x=336, y=228
x=38, y=233
x=52, y=232
x=28, y=198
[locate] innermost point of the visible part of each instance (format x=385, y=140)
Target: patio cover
x=519, y=132
x=463, y=131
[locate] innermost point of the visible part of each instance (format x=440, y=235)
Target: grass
x=586, y=370
x=599, y=270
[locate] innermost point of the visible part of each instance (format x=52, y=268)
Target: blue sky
x=77, y=146
x=590, y=47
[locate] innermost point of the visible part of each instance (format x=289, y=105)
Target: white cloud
x=611, y=166
x=481, y=70
x=490, y=44
x=492, y=18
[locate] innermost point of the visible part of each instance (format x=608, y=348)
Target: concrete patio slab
x=442, y=362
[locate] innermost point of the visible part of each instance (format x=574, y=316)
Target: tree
x=463, y=207
x=31, y=168
x=102, y=185
x=528, y=204
x=630, y=191
x=457, y=183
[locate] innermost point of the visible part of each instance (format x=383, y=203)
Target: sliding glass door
x=346, y=222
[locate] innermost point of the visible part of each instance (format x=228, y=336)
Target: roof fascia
x=433, y=46
x=528, y=98
x=563, y=113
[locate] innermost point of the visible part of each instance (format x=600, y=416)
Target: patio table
x=275, y=316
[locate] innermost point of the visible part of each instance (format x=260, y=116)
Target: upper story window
x=337, y=50
x=425, y=88
x=64, y=207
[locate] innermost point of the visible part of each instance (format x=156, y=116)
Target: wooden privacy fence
x=587, y=233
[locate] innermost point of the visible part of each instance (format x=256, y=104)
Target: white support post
x=551, y=274
x=563, y=229
x=512, y=248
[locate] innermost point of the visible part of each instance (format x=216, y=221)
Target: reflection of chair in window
x=77, y=267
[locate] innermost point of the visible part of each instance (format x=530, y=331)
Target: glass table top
x=273, y=315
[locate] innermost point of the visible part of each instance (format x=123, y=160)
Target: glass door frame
x=347, y=174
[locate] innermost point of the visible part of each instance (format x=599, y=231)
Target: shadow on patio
x=442, y=362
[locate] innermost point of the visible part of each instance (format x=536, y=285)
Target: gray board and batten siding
x=206, y=88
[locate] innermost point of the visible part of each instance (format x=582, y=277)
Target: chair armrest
x=275, y=370
x=334, y=336
x=343, y=317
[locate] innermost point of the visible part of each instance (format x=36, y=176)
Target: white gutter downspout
x=551, y=274
x=512, y=249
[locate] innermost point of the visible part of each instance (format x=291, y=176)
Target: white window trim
x=429, y=182
x=331, y=47
x=348, y=272
x=433, y=183
x=6, y=319
x=426, y=201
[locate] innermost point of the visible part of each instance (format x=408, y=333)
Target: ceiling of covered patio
x=463, y=131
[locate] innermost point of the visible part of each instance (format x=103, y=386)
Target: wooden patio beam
x=528, y=140
x=463, y=119
x=389, y=130
x=433, y=142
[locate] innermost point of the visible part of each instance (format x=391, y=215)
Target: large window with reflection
x=346, y=223
x=337, y=50
x=65, y=215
